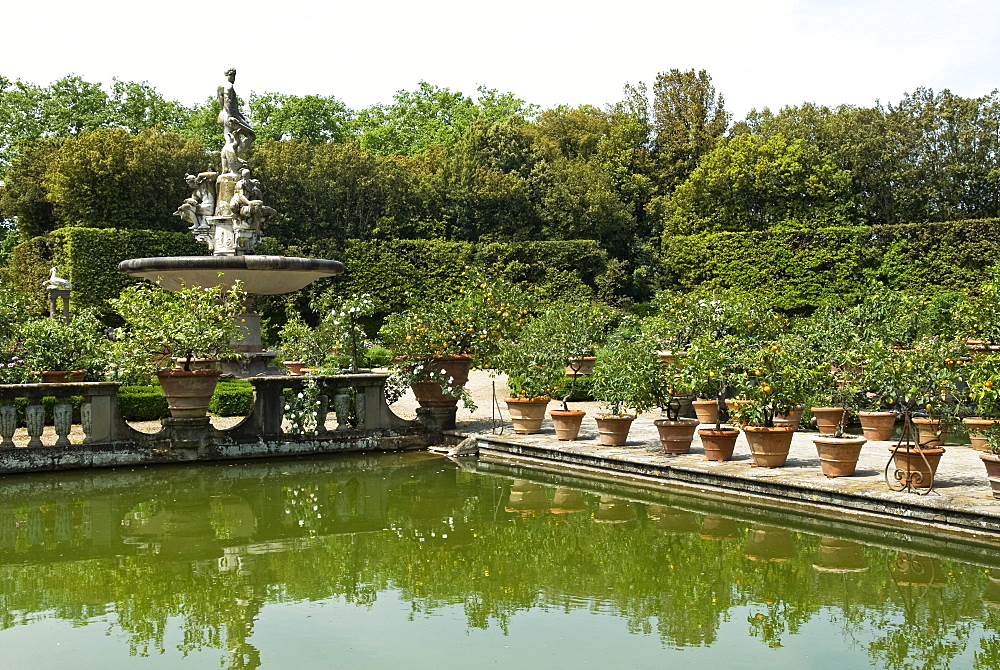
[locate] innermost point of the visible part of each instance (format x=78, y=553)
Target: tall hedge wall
x=801, y=270
x=89, y=257
x=398, y=273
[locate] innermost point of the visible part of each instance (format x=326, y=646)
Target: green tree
x=312, y=118
x=24, y=196
x=432, y=115
x=688, y=117
x=137, y=106
x=110, y=178
x=751, y=183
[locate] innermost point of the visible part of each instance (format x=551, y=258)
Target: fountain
x=227, y=212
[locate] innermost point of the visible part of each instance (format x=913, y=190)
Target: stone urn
x=430, y=394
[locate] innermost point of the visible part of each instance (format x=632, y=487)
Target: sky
x=760, y=53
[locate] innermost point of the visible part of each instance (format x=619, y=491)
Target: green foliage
x=312, y=118
x=193, y=322
x=749, y=183
x=839, y=266
x=89, y=257
x=924, y=377
x=232, y=398
x=51, y=344
x=983, y=377
x=628, y=374
x=142, y=403
x=978, y=315
x=536, y=361
x=432, y=115
x=773, y=382
x=475, y=321
x=689, y=116
x=111, y=179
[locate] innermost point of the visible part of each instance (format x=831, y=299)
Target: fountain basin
x=261, y=275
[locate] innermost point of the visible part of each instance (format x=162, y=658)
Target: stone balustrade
x=363, y=421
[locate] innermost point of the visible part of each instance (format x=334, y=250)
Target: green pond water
x=408, y=560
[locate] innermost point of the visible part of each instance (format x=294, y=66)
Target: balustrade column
x=62, y=419
x=34, y=418
x=8, y=424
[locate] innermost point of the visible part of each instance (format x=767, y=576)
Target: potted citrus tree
x=772, y=384
x=628, y=379
x=708, y=366
x=179, y=336
x=437, y=342
x=559, y=339
x=924, y=380
x=62, y=351
x=983, y=377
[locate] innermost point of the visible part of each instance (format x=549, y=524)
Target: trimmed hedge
x=802, y=270
x=146, y=403
x=400, y=273
x=89, y=257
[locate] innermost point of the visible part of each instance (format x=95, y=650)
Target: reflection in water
x=211, y=549
x=836, y=555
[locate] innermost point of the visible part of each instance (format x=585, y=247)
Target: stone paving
x=961, y=499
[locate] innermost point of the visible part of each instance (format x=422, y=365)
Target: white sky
x=759, y=52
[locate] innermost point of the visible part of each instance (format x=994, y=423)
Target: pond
x=414, y=560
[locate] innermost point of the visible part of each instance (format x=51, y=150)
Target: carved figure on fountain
x=226, y=209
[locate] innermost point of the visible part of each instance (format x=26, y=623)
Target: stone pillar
x=55, y=295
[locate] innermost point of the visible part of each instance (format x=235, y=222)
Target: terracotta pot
x=527, y=414
x=977, y=425
x=992, y=463
x=580, y=367
x=931, y=432
x=188, y=392
x=294, y=368
x=614, y=510
x=877, y=426
x=196, y=363
x=828, y=419
x=673, y=521
x=567, y=423
x=715, y=527
x=676, y=436
x=916, y=470
x=612, y=431
x=707, y=411
x=769, y=545
x=837, y=555
x=718, y=444
x=838, y=456
x=793, y=420
x=429, y=394
x=567, y=501
x=62, y=376
x=769, y=446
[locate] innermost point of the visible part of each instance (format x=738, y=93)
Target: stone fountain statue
x=226, y=210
